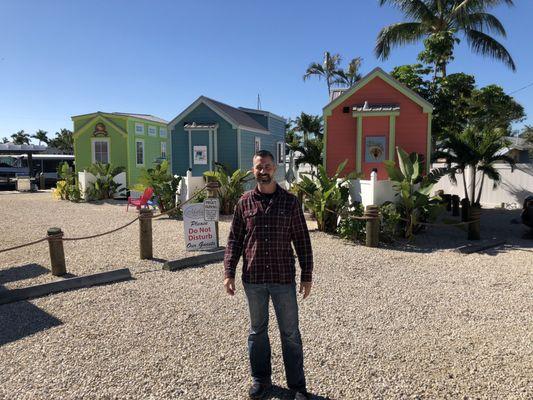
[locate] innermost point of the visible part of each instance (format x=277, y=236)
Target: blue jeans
x=286, y=308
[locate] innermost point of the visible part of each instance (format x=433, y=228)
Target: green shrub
x=350, y=228
x=390, y=221
x=231, y=186
x=164, y=184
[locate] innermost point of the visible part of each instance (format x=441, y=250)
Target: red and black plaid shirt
x=262, y=231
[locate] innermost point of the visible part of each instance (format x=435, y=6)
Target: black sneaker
x=259, y=390
x=302, y=395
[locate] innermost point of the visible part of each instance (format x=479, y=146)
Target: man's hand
x=305, y=288
x=229, y=284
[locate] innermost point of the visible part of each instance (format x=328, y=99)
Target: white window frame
x=257, y=144
x=280, y=152
x=164, y=144
x=93, y=150
x=153, y=128
x=137, y=125
x=161, y=130
x=144, y=155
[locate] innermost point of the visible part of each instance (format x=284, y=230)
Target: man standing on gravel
x=266, y=221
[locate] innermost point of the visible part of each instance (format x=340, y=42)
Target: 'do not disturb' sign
x=199, y=233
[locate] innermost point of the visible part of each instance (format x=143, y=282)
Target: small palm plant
x=326, y=197
x=231, y=186
x=104, y=187
x=414, y=202
x=164, y=184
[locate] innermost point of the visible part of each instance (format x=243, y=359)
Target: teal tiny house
x=209, y=132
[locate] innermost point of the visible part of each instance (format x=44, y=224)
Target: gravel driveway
x=418, y=321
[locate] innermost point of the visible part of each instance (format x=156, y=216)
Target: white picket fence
x=514, y=187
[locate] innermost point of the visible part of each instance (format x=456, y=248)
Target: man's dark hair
x=263, y=153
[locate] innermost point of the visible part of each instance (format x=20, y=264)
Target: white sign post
x=211, y=209
x=199, y=233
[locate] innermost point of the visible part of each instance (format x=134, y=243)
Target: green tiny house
x=132, y=141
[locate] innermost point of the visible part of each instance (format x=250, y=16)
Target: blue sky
x=63, y=58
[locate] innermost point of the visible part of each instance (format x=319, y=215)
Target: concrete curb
x=214, y=256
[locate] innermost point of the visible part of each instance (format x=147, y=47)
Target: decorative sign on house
x=100, y=130
x=200, y=155
x=365, y=123
x=199, y=233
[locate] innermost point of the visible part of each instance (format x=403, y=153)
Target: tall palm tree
x=440, y=22
x=307, y=123
x=326, y=70
x=350, y=75
x=21, y=137
x=5, y=140
x=311, y=153
x=478, y=151
x=40, y=135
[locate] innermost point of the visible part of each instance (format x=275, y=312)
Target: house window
x=280, y=152
x=164, y=150
x=163, y=132
x=257, y=144
x=101, y=151
x=139, y=128
x=139, y=152
x=152, y=130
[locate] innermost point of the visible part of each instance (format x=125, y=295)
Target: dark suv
x=527, y=212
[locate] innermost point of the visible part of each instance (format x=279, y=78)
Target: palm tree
x=63, y=141
x=440, y=22
x=326, y=70
x=5, y=140
x=40, y=135
x=307, y=123
x=478, y=151
x=311, y=153
x=350, y=75
x=21, y=137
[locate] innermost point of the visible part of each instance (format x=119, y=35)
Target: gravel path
x=416, y=321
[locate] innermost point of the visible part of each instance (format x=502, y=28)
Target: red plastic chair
x=141, y=201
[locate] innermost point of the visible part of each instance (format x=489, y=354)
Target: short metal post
x=212, y=193
x=57, y=253
x=372, y=225
x=42, y=181
x=145, y=233
x=455, y=205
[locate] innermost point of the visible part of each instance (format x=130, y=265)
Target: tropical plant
x=63, y=141
x=20, y=137
x=231, y=186
x=309, y=124
x=67, y=188
x=311, y=151
x=352, y=228
x=414, y=203
x=104, y=187
x=390, y=221
x=349, y=76
x=477, y=151
x=164, y=184
x=41, y=136
x=326, y=197
x=327, y=70
x=440, y=22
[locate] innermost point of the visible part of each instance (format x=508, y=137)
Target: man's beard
x=265, y=178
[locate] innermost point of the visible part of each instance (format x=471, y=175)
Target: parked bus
x=12, y=166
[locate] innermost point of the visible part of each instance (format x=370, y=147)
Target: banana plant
x=414, y=201
x=231, y=186
x=326, y=197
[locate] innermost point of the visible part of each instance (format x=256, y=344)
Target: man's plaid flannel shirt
x=263, y=236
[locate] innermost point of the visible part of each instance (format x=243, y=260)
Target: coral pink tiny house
x=366, y=122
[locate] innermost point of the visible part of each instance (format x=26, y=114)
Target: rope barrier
x=59, y=237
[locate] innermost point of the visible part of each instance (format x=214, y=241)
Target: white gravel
x=411, y=321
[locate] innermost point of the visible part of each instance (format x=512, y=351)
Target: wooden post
x=57, y=253
x=372, y=225
x=145, y=234
x=455, y=205
x=474, y=228
x=447, y=201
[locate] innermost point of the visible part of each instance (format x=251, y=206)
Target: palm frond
x=396, y=35
x=484, y=22
x=483, y=44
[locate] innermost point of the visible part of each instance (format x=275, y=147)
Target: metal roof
x=147, y=117
x=239, y=116
x=10, y=148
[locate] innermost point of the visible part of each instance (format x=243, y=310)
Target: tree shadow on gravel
x=278, y=392
x=21, y=319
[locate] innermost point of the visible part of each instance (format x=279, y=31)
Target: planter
x=474, y=216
